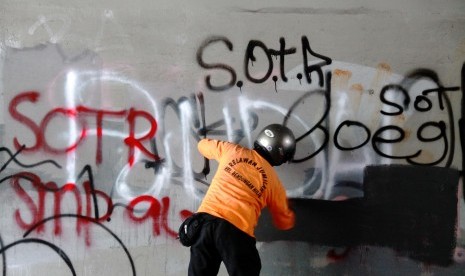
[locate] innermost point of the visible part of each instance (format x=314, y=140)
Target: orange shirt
x=242, y=186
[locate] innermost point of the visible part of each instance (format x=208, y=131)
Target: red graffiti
x=139, y=210
x=157, y=212
x=37, y=210
x=80, y=115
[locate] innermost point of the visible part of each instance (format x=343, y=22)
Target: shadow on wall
x=410, y=209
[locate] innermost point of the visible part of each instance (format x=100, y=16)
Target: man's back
x=243, y=185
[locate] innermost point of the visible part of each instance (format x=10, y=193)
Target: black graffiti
x=198, y=129
x=250, y=58
x=3, y=257
x=421, y=103
x=13, y=158
x=395, y=88
x=446, y=130
x=348, y=123
x=206, y=165
x=220, y=66
x=55, y=248
x=462, y=121
x=316, y=67
x=320, y=124
x=88, y=171
x=89, y=220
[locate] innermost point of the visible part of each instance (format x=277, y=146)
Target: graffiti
x=92, y=221
x=56, y=249
x=377, y=138
x=422, y=103
x=43, y=22
x=156, y=212
x=13, y=158
x=250, y=58
x=4, y=248
x=78, y=114
x=166, y=149
x=81, y=113
x=461, y=120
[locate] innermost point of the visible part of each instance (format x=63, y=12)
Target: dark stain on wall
x=411, y=209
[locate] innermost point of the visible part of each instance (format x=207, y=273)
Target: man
x=244, y=183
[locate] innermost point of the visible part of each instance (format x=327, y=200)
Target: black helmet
x=276, y=144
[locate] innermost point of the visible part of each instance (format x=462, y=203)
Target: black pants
x=219, y=241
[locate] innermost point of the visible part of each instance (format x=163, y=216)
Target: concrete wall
x=103, y=102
